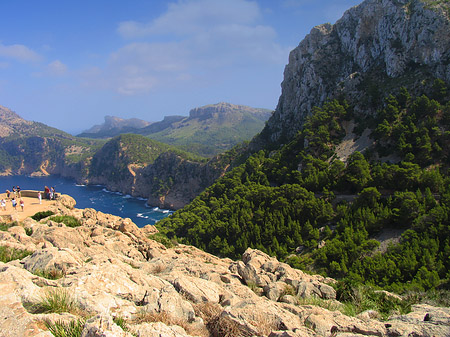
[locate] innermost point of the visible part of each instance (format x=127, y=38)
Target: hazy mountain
x=207, y=131
x=114, y=126
x=210, y=129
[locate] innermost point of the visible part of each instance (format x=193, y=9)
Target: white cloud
x=194, y=16
x=19, y=52
x=203, y=38
x=56, y=68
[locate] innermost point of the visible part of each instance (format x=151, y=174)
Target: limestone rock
x=67, y=201
x=159, y=329
x=103, y=326
x=53, y=258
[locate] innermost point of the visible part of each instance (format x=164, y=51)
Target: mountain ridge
x=375, y=45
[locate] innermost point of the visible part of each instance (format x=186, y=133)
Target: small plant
x=317, y=301
x=120, y=321
x=288, y=290
x=55, y=300
x=163, y=239
x=61, y=329
x=4, y=226
x=68, y=220
x=28, y=231
x=41, y=215
x=9, y=254
x=50, y=274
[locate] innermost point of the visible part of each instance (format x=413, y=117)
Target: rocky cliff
x=109, y=278
x=375, y=46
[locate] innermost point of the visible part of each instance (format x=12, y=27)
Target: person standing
x=8, y=193
x=3, y=204
x=22, y=204
x=18, y=191
x=40, y=197
x=14, y=203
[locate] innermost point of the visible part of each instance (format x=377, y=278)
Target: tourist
x=14, y=203
x=14, y=191
x=8, y=193
x=46, y=192
x=22, y=204
x=18, y=191
x=3, y=204
x=40, y=197
x=52, y=193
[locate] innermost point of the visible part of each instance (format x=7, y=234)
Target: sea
x=92, y=196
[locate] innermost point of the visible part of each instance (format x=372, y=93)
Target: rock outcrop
x=122, y=283
x=371, y=49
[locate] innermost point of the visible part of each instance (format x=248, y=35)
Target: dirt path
x=31, y=207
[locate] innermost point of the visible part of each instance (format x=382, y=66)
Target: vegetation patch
x=163, y=239
x=41, y=215
x=50, y=274
x=9, y=254
x=68, y=220
x=63, y=329
x=54, y=300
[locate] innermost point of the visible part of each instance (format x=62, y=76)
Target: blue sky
x=69, y=63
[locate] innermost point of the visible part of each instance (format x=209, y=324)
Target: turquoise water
x=96, y=197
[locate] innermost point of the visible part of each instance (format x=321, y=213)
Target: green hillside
x=302, y=204
x=210, y=130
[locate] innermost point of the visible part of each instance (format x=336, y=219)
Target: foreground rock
x=113, y=272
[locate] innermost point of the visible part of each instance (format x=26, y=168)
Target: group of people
x=16, y=198
x=49, y=193
x=13, y=197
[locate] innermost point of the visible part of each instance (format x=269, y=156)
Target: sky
x=68, y=64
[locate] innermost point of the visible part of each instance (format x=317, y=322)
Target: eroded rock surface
x=112, y=270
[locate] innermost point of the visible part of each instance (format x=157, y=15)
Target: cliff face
x=139, y=166
x=371, y=46
x=110, y=271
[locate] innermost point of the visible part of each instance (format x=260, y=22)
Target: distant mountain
x=207, y=131
x=210, y=129
x=12, y=125
x=114, y=126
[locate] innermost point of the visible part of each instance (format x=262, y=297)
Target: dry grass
x=168, y=319
x=159, y=268
x=223, y=326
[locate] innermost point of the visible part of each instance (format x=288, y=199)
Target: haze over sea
x=96, y=197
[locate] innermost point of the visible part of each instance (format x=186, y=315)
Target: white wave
x=127, y=196
x=80, y=185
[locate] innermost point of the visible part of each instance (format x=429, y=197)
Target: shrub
x=9, y=254
x=55, y=300
x=50, y=274
x=41, y=215
x=68, y=220
x=163, y=239
x=61, y=329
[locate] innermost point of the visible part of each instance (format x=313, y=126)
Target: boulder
x=103, y=326
x=67, y=201
x=198, y=290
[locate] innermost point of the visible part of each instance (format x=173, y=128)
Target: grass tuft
x=50, y=274
x=62, y=329
x=9, y=254
x=55, y=300
x=68, y=220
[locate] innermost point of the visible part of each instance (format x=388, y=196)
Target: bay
x=92, y=196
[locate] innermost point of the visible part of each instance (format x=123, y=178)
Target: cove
x=91, y=196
